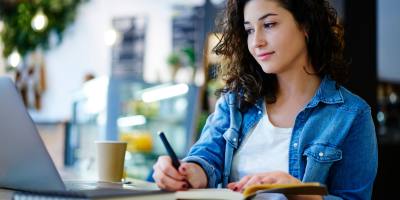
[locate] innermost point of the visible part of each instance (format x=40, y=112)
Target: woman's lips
x=265, y=56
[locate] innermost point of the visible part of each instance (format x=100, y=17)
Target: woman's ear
x=306, y=36
x=305, y=32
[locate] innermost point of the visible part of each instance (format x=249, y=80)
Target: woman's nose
x=259, y=39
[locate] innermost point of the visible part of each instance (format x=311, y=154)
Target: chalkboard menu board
x=187, y=27
x=128, y=52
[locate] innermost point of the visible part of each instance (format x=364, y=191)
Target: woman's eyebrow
x=262, y=17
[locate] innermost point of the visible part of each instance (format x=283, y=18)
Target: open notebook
x=269, y=191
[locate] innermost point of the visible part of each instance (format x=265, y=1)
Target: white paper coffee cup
x=110, y=160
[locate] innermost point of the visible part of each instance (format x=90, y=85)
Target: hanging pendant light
x=14, y=59
x=39, y=21
x=1, y=25
x=111, y=37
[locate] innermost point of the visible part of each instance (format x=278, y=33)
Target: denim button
x=295, y=145
x=259, y=112
x=234, y=139
x=321, y=154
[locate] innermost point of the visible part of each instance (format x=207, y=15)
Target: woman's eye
x=249, y=31
x=269, y=25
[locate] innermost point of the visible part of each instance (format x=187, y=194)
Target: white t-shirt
x=265, y=149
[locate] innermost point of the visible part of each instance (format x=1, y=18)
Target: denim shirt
x=333, y=142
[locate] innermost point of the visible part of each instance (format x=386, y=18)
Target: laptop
x=25, y=164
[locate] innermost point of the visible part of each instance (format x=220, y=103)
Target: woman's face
x=274, y=38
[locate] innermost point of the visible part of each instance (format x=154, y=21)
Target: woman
x=283, y=116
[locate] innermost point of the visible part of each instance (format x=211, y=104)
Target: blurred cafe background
x=125, y=69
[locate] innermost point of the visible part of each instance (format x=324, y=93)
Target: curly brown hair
x=243, y=74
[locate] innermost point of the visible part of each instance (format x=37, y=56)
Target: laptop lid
x=25, y=163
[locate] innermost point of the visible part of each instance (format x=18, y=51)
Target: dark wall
x=360, y=35
x=387, y=180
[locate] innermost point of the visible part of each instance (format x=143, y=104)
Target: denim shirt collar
x=259, y=104
x=327, y=93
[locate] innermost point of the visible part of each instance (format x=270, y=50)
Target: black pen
x=171, y=153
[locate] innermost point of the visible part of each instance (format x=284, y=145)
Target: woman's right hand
x=188, y=175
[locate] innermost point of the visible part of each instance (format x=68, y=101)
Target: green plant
x=185, y=56
x=201, y=121
x=17, y=16
x=190, y=54
x=174, y=59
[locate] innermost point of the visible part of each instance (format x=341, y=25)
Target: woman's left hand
x=263, y=178
x=270, y=178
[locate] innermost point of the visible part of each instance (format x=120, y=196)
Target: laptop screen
x=24, y=161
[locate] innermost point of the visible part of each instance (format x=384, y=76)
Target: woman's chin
x=269, y=70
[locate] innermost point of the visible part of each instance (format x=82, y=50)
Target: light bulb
x=14, y=59
x=1, y=25
x=39, y=21
x=110, y=37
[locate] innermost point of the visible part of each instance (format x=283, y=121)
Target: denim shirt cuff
x=207, y=167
